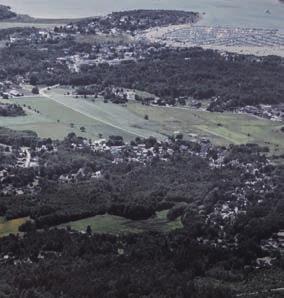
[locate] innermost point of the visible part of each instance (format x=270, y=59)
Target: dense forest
x=130, y=21
x=201, y=259
x=6, y=13
x=68, y=265
x=229, y=200
x=202, y=74
x=227, y=80
x=11, y=110
x=230, y=82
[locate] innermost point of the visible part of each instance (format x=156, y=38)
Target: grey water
x=241, y=13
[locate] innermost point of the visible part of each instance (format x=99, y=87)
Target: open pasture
x=112, y=224
x=60, y=114
x=220, y=128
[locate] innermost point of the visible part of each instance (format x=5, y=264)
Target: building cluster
x=130, y=22
x=35, y=37
x=145, y=152
x=15, y=175
x=104, y=53
x=274, y=113
x=273, y=244
x=9, y=89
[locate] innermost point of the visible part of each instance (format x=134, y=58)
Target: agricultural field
x=112, y=224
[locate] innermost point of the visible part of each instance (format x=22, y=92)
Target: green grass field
x=221, y=128
x=11, y=226
x=59, y=111
x=112, y=224
x=55, y=119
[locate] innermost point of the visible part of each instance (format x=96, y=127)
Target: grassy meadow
x=220, y=128
x=60, y=114
x=112, y=224
x=11, y=226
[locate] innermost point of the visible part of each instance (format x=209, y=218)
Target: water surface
x=245, y=13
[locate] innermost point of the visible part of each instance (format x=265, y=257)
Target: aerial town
x=140, y=141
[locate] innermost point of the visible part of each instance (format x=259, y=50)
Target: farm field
x=112, y=224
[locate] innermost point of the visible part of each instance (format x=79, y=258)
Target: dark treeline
x=7, y=32
x=73, y=265
x=184, y=183
x=131, y=21
x=209, y=257
x=6, y=13
x=236, y=81
x=232, y=81
x=229, y=81
x=17, y=138
x=11, y=110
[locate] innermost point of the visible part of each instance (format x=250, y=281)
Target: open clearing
x=59, y=111
x=107, y=223
x=112, y=224
x=55, y=119
x=221, y=128
x=111, y=115
x=11, y=226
